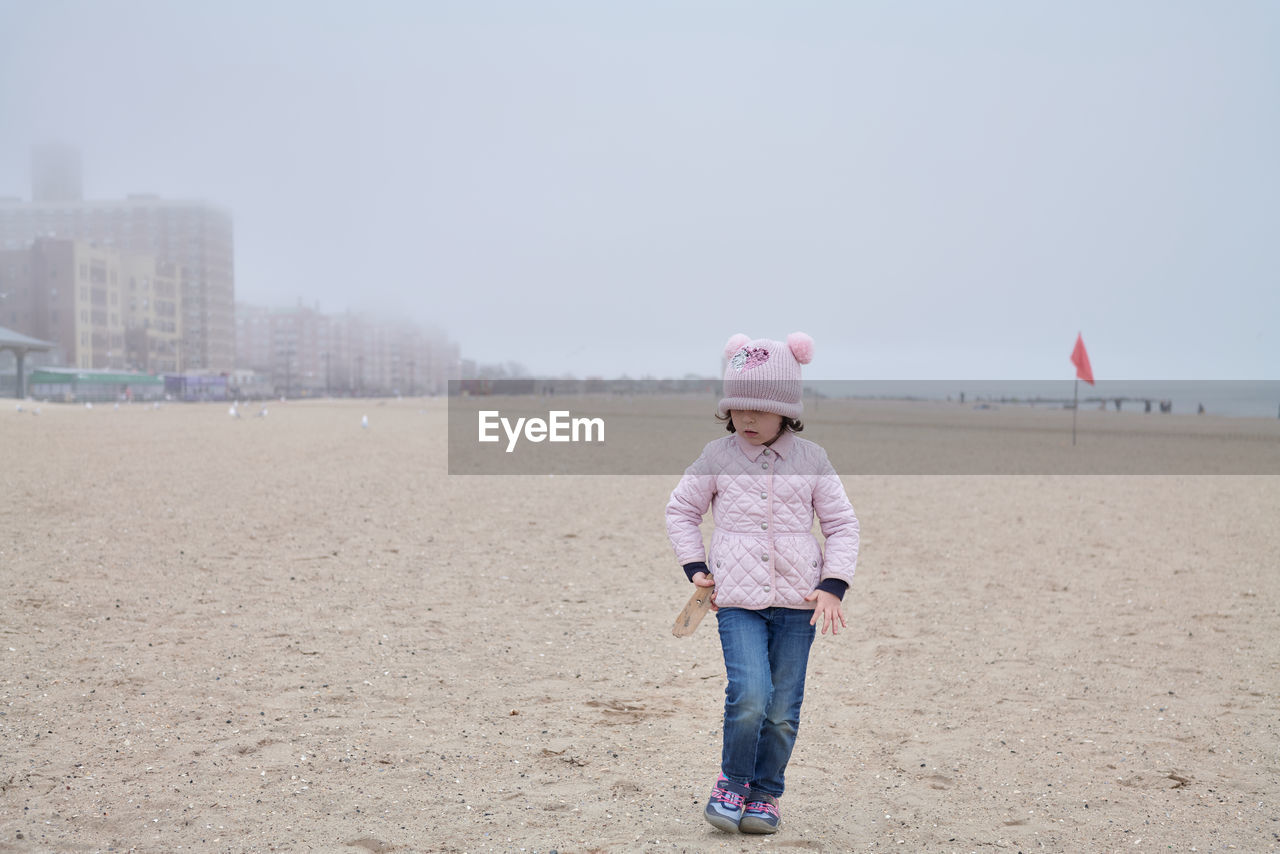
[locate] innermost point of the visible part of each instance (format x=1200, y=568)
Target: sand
x=294, y=634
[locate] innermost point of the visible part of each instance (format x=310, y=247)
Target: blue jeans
x=766, y=653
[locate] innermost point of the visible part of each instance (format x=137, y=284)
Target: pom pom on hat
x=801, y=347
x=764, y=375
x=735, y=343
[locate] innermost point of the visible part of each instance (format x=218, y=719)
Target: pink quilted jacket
x=763, y=551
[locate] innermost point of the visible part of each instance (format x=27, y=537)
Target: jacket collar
x=783, y=446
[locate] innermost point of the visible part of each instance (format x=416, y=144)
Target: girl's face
x=758, y=428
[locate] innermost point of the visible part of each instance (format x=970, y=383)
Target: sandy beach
x=293, y=633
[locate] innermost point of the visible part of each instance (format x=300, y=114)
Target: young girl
x=773, y=583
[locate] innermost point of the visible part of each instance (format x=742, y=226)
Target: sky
x=931, y=190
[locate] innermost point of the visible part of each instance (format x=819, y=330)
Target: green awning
x=47, y=376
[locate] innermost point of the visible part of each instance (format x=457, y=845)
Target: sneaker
x=724, y=807
x=760, y=814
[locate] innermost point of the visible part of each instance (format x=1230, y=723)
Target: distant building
x=152, y=290
x=294, y=347
x=196, y=386
x=106, y=309
x=16, y=309
x=307, y=352
x=195, y=237
x=244, y=384
x=69, y=293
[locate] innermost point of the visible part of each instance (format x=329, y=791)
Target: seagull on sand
x=364, y=421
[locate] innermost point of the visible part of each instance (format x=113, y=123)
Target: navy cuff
x=692, y=569
x=835, y=586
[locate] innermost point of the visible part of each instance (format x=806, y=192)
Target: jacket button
x=813, y=563
x=766, y=453
x=764, y=557
x=764, y=465
x=764, y=496
x=766, y=588
x=764, y=526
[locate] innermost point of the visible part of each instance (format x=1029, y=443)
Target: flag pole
x=1075, y=408
x=1084, y=371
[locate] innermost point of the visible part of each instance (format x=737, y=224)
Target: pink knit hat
x=764, y=375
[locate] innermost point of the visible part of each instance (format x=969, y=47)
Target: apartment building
x=195, y=237
x=105, y=309
x=307, y=352
x=152, y=290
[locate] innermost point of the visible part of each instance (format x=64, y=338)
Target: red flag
x=1080, y=358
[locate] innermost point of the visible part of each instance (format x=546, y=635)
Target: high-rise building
x=151, y=291
x=195, y=237
x=254, y=338
x=106, y=309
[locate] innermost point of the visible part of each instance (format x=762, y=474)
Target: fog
x=930, y=190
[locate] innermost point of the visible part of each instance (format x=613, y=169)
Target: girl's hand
x=829, y=607
x=701, y=579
